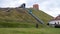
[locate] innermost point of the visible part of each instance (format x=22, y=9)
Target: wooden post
x=36, y=25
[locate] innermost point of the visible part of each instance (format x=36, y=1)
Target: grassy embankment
x=21, y=18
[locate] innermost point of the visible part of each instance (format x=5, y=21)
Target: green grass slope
x=16, y=18
x=42, y=15
x=21, y=18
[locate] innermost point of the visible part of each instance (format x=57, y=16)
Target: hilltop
x=19, y=17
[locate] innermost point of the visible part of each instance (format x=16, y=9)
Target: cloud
x=11, y=3
x=51, y=7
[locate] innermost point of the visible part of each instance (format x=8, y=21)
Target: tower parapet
x=36, y=6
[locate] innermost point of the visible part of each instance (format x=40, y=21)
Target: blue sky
x=51, y=7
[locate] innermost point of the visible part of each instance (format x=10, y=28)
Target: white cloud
x=11, y=3
x=51, y=7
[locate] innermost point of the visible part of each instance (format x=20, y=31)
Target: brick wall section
x=36, y=6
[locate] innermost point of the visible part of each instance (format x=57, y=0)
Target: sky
x=51, y=7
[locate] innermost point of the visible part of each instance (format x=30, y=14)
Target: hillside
x=42, y=15
x=19, y=17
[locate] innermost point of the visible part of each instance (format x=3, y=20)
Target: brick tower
x=36, y=6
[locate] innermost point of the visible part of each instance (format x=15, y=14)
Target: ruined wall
x=36, y=6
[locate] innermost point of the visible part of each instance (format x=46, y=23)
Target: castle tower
x=36, y=6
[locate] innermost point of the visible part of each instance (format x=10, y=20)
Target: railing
x=39, y=20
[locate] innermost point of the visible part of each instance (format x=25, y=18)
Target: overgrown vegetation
x=20, y=18
x=42, y=15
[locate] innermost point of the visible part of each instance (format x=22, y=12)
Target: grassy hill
x=19, y=17
x=42, y=15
